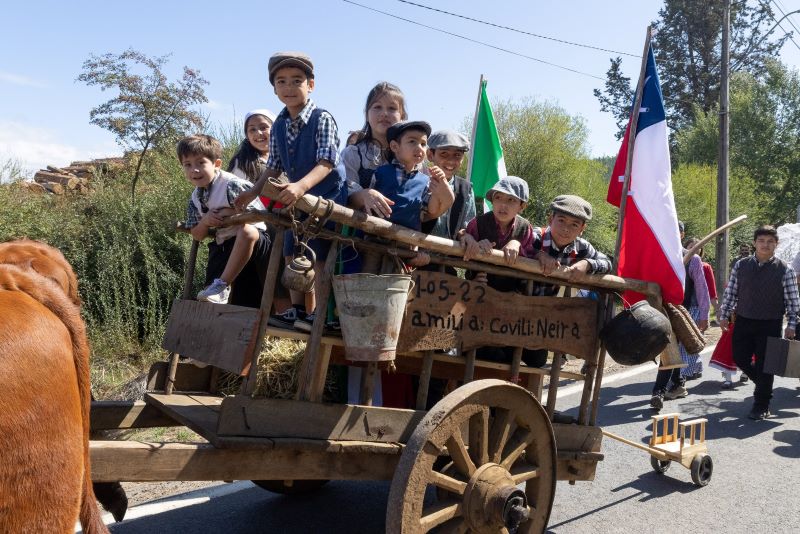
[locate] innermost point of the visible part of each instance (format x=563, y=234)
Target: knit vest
x=215, y=196
x=760, y=289
x=407, y=197
x=456, y=215
x=487, y=229
x=299, y=158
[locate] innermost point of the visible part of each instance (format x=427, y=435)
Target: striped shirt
x=791, y=298
x=327, y=136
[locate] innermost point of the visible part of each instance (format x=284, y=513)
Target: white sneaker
x=217, y=292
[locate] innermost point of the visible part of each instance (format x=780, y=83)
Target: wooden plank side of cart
x=307, y=454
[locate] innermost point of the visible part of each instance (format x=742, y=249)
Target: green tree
x=764, y=138
x=149, y=110
x=687, y=48
x=548, y=147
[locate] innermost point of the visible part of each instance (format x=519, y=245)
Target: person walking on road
x=762, y=288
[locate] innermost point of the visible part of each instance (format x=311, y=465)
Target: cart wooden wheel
x=660, y=466
x=290, y=487
x=497, y=436
x=702, y=467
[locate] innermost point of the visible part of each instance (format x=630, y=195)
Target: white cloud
x=19, y=79
x=35, y=148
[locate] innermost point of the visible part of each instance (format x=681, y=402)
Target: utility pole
x=722, y=164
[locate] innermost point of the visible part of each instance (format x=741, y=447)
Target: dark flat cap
x=572, y=205
x=280, y=60
x=396, y=130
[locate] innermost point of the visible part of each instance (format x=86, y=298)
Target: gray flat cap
x=394, y=131
x=280, y=60
x=448, y=139
x=510, y=185
x=572, y=205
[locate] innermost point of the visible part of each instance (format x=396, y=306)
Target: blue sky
x=44, y=112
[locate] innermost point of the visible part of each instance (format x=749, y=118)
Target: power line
x=788, y=19
x=517, y=30
x=556, y=65
x=777, y=22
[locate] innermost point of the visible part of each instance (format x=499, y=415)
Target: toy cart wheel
x=660, y=466
x=290, y=487
x=497, y=436
x=702, y=468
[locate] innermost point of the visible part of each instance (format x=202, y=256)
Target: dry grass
x=278, y=371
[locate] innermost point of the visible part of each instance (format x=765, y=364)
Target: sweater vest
x=487, y=229
x=299, y=158
x=760, y=289
x=407, y=196
x=217, y=197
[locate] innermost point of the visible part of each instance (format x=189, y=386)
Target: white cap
x=265, y=112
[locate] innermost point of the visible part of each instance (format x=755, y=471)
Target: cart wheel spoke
x=523, y=471
x=516, y=446
x=458, y=452
x=440, y=480
x=438, y=513
x=479, y=437
x=455, y=526
x=501, y=430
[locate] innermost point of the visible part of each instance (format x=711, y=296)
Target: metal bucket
x=371, y=309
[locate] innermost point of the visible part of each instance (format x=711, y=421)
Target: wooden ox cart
x=477, y=446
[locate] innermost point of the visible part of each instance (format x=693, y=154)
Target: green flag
x=487, y=165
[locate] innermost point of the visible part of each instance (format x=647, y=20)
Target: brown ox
x=45, y=481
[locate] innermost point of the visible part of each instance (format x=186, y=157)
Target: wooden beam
x=115, y=415
x=133, y=461
x=198, y=412
x=276, y=418
x=381, y=227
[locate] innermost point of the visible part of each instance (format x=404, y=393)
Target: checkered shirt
x=193, y=215
x=791, y=298
x=327, y=136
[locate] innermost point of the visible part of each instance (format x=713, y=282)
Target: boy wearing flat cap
x=504, y=229
x=305, y=145
x=416, y=196
x=446, y=150
x=561, y=244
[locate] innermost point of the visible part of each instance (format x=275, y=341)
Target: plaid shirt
x=235, y=188
x=327, y=136
x=580, y=249
x=791, y=298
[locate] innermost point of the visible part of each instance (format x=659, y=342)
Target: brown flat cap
x=280, y=60
x=572, y=205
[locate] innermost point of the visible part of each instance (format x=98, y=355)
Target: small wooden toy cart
x=683, y=442
x=475, y=446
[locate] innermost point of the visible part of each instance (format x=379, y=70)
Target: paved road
x=754, y=488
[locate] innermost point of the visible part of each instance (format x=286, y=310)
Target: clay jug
x=299, y=274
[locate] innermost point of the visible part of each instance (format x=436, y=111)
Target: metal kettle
x=299, y=274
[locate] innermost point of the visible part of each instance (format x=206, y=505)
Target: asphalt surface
x=754, y=487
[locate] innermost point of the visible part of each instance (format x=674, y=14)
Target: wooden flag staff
x=631, y=142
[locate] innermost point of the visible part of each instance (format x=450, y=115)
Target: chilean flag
x=650, y=246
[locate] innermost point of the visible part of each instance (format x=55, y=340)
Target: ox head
x=43, y=260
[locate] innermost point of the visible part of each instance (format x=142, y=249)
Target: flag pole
x=472, y=137
x=631, y=141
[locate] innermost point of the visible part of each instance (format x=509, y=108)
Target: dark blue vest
x=407, y=197
x=299, y=158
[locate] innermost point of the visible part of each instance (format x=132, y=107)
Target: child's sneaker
x=218, y=292
x=305, y=322
x=286, y=319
